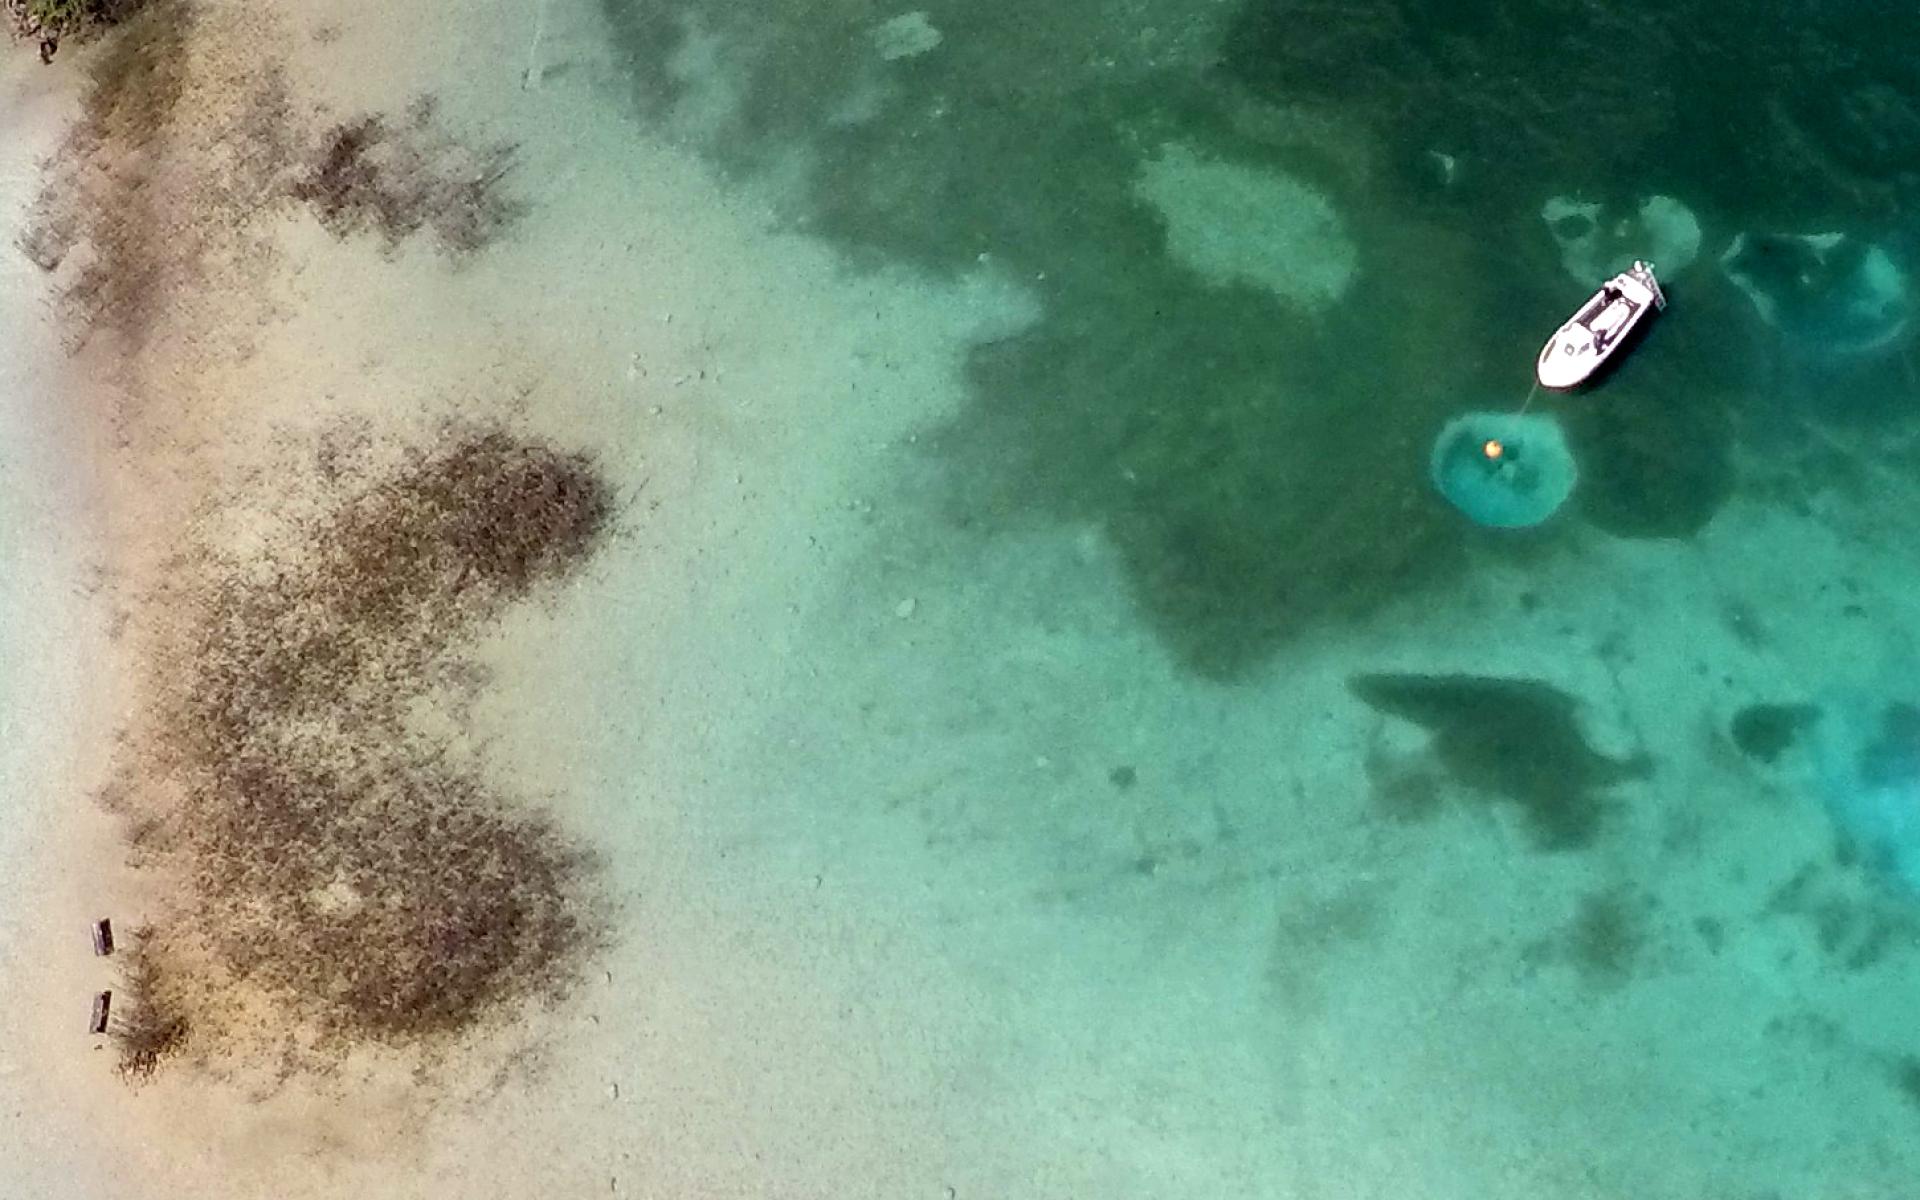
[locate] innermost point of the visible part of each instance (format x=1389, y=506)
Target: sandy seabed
x=924, y=870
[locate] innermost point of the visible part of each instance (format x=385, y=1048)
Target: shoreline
x=927, y=868
x=740, y=465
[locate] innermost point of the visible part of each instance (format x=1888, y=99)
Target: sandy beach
x=918, y=854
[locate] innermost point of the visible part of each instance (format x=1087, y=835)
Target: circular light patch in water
x=1831, y=293
x=1503, y=470
x=1597, y=242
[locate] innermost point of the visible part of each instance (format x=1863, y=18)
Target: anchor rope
x=1531, y=393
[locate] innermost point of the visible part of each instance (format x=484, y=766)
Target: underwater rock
x=1833, y=294
x=1868, y=755
x=1503, y=470
x=908, y=35
x=1517, y=739
x=1598, y=242
x=1445, y=168
x=1764, y=732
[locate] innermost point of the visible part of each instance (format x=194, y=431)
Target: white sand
x=1240, y=223
x=57, y=691
x=885, y=927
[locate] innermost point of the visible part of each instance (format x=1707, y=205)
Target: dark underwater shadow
x=1261, y=469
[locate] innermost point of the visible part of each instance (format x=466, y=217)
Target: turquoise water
x=1256, y=453
x=1021, y=138
x=1060, y=709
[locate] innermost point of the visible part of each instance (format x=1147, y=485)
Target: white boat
x=1591, y=336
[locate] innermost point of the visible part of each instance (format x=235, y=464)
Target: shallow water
x=1014, y=431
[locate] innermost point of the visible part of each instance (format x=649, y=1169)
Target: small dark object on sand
x=102, y=937
x=1764, y=732
x=102, y=1004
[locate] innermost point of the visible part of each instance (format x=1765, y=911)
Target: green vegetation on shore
x=47, y=21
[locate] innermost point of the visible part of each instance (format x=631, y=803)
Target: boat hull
x=1600, y=330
